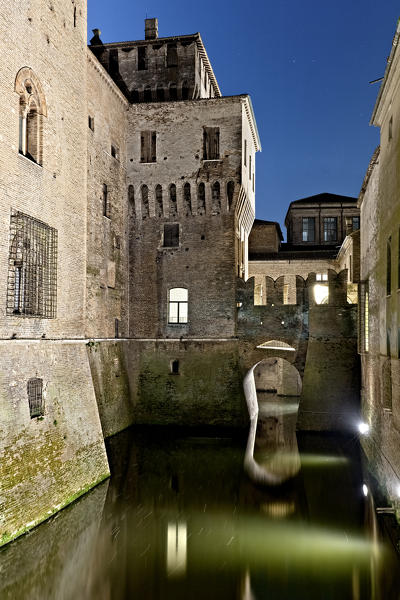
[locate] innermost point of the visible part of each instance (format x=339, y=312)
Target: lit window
x=366, y=322
x=330, y=229
x=321, y=276
x=258, y=294
x=321, y=293
x=308, y=229
x=178, y=305
x=285, y=293
x=176, y=549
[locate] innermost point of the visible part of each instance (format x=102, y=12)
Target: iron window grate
x=35, y=397
x=32, y=268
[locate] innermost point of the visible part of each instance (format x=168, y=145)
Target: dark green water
x=179, y=519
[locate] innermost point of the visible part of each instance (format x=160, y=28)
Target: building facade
x=379, y=343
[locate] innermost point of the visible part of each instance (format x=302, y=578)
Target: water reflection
x=180, y=520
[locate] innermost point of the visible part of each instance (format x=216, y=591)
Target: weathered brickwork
x=107, y=214
x=46, y=461
x=54, y=192
x=379, y=298
x=203, y=260
x=130, y=176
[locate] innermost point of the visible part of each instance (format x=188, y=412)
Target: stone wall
x=42, y=36
x=331, y=387
x=47, y=461
x=203, y=261
x=107, y=240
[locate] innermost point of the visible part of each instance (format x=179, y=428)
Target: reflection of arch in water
x=277, y=375
x=258, y=473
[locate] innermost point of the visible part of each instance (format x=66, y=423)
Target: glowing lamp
x=363, y=428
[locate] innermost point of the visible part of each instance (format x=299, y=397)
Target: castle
x=127, y=202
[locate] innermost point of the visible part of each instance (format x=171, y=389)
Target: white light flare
x=363, y=428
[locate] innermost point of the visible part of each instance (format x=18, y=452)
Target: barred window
x=330, y=229
x=35, y=397
x=32, y=268
x=308, y=229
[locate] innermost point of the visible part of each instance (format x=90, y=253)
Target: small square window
x=171, y=235
x=114, y=152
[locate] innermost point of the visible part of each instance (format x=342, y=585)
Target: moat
x=179, y=519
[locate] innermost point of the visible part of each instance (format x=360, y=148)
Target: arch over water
x=266, y=474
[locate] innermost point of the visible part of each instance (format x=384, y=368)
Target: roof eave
x=374, y=120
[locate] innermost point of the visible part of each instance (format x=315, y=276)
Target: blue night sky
x=306, y=65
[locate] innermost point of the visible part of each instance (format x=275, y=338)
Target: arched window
x=187, y=199
x=172, y=200
x=160, y=93
x=131, y=200
x=178, y=305
x=159, y=201
x=230, y=188
x=147, y=94
x=201, y=199
x=216, y=198
x=172, y=92
x=145, y=202
x=32, y=109
x=185, y=90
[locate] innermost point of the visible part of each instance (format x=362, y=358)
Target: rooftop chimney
x=96, y=41
x=150, y=29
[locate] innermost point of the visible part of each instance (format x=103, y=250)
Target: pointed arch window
x=230, y=189
x=172, y=201
x=32, y=110
x=145, y=202
x=216, y=198
x=131, y=201
x=187, y=198
x=159, y=201
x=201, y=199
